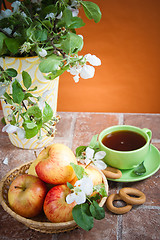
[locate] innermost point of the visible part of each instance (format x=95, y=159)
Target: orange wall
x=127, y=42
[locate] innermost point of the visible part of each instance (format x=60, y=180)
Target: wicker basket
x=39, y=223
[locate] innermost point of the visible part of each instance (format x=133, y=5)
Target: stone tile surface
x=75, y=129
x=89, y=124
x=151, y=121
x=141, y=224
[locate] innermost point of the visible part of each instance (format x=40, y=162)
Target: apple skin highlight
x=54, y=164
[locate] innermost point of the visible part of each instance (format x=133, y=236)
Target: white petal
x=60, y=15
x=76, y=78
x=9, y=128
x=87, y=161
x=21, y=133
x=89, y=152
x=93, y=60
x=100, y=155
x=80, y=197
x=42, y=52
x=100, y=164
x=5, y=161
x=70, y=198
x=87, y=72
x=87, y=186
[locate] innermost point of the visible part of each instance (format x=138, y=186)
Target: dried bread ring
x=117, y=210
x=139, y=199
x=113, y=173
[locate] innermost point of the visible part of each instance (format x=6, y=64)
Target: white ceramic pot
x=30, y=64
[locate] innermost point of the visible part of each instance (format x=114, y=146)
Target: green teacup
x=125, y=152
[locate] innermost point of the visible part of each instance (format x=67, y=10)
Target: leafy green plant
x=34, y=112
x=47, y=28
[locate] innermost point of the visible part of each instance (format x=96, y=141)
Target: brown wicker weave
x=39, y=223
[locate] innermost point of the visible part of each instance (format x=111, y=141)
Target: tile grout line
x=73, y=123
x=119, y=227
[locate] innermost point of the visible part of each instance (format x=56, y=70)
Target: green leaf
x=80, y=150
x=100, y=188
x=70, y=185
x=97, y=211
x=72, y=44
x=93, y=141
x=27, y=95
x=8, y=98
x=17, y=92
x=30, y=132
x=91, y=10
x=50, y=64
x=140, y=170
x=76, y=23
x=35, y=112
x=40, y=35
x=12, y=44
x=11, y=72
x=79, y=170
x=27, y=81
x=47, y=113
x=3, y=121
x=82, y=216
x=2, y=38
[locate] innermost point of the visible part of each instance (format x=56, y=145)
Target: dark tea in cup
x=124, y=140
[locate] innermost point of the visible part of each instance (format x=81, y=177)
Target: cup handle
x=148, y=131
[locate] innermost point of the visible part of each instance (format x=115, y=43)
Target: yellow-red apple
x=54, y=165
x=26, y=195
x=93, y=174
x=55, y=206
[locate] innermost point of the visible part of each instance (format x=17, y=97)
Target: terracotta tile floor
x=75, y=129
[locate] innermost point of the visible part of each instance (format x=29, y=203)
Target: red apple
x=54, y=164
x=26, y=195
x=55, y=206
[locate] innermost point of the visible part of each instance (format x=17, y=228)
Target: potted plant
x=38, y=43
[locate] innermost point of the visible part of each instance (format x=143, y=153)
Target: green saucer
x=151, y=163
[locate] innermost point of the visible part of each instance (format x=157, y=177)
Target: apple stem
x=88, y=164
x=19, y=187
x=35, y=154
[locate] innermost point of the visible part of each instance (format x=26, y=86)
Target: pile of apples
x=45, y=186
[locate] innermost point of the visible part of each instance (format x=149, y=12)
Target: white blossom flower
x=75, y=69
x=50, y=15
x=92, y=59
x=74, y=11
x=87, y=72
x=25, y=47
x=76, y=78
x=59, y=15
x=9, y=128
x=42, y=52
x=8, y=30
x=42, y=100
x=23, y=14
x=15, y=6
x=95, y=158
x=5, y=13
x=82, y=189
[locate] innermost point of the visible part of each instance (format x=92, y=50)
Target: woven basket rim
x=37, y=225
